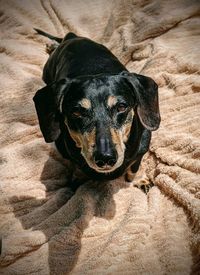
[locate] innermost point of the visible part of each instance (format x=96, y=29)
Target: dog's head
x=98, y=112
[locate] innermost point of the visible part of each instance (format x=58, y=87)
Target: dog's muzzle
x=105, y=156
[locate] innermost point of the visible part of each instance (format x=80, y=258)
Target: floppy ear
x=47, y=101
x=146, y=92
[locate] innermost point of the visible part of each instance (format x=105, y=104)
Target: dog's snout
x=105, y=154
x=102, y=160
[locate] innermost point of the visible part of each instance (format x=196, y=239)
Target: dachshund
x=99, y=114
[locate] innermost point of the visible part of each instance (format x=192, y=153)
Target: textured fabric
x=111, y=227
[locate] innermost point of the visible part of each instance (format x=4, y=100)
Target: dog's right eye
x=76, y=114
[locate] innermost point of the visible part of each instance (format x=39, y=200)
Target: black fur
x=81, y=68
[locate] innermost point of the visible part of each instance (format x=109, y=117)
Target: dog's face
x=98, y=113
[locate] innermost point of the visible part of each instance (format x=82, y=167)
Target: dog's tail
x=70, y=35
x=57, y=39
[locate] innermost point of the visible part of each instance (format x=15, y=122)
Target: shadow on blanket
x=63, y=215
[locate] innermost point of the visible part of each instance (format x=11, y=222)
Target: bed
x=111, y=227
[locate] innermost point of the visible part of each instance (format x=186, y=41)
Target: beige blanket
x=110, y=228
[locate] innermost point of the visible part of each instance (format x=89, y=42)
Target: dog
x=99, y=114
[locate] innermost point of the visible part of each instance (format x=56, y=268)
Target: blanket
x=110, y=227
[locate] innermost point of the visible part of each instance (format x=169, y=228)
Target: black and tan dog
x=99, y=114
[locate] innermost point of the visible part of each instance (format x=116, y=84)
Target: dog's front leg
x=132, y=170
x=75, y=177
x=136, y=173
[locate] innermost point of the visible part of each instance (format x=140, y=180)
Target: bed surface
x=110, y=228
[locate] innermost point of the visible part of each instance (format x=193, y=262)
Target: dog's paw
x=146, y=188
x=139, y=179
x=144, y=184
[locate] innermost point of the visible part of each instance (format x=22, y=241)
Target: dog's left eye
x=121, y=107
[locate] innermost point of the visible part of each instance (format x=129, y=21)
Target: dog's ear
x=146, y=93
x=47, y=103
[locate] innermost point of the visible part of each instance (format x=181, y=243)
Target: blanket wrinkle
x=105, y=227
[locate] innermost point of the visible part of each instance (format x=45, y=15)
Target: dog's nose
x=105, y=159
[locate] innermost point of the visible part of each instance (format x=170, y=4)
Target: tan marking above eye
x=112, y=100
x=85, y=103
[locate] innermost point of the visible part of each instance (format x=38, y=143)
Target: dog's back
x=78, y=56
